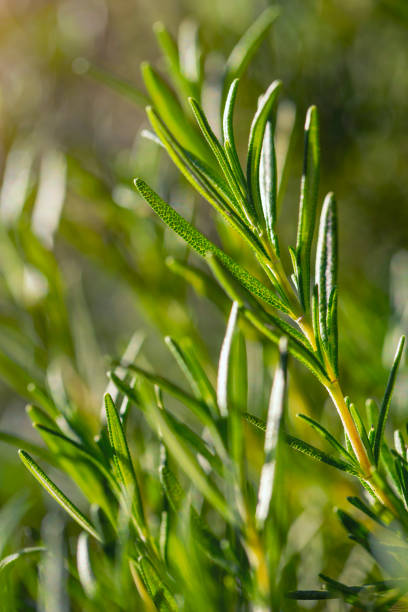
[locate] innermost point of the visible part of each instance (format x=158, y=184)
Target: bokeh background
x=82, y=259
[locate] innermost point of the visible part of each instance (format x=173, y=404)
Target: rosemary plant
x=216, y=539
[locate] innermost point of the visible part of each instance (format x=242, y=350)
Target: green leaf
x=169, y=108
x=268, y=185
x=201, y=282
x=231, y=396
x=308, y=203
x=200, y=175
x=262, y=208
x=57, y=494
x=85, y=573
x=326, y=264
x=224, y=363
x=382, y=417
x=196, y=442
x=170, y=52
x=189, y=464
x=169, y=482
x=295, y=348
x=228, y=136
x=360, y=505
x=255, y=421
x=222, y=160
x=361, y=429
x=75, y=448
x=247, y=46
x=203, y=246
x=14, y=440
x=123, y=462
x=159, y=420
x=332, y=330
x=122, y=87
x=157, y=589
x=359, y=532
x=318, y=455
x=272, y=437
x=176, y=496
x=10, y=559
x=196, y=406
x=194, y=373
x=328, y=437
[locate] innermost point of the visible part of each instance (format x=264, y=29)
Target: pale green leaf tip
x=108, y=398
x=311, y=115
x=159, y=27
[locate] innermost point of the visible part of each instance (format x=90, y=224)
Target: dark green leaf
x=385, y=406
x=318, y=455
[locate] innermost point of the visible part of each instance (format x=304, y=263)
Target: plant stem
x=370, y=474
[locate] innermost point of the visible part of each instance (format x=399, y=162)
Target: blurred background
x=82, y=258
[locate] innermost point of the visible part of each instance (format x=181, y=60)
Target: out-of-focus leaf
x=246, y=47
x=307, y=207
x=57, y=494
x=169, y=108
x=123, y=462
x=272, y=437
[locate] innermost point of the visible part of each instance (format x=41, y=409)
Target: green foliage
x=190, y=508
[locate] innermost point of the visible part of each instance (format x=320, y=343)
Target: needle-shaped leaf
x=272, y=437
x=200, y=175
x=85, y=573
x=57, y=494
x=203, y=246
x=319, y=455
x=161, y=421
x=176, y=496
x=24, y=552
x=169, y=482
x=246, y=47
x=123, y=88
x=224, y=363
x=170, y=51
x=308, y=203
x=157, y=589
x=255, y=421
x=14, y=440
x=358, y=503
x=73, y=448
x=268, y=185
x=201, y=282
x=195, y=405
x=194, y=373
x=228, y=135
x=123, y=461
x=326, y=262
x=264, y=209
x=188, y=462
x=328, y=437
x=385, y=405
x=221, y=158
x=170, y=109
x=196, y=442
